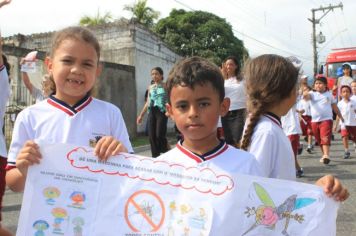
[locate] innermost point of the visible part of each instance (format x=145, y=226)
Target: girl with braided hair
x=271, y=88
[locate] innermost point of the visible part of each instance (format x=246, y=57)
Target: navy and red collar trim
x=222, y=147
x=274, y=118
x=70, y=110
x=2, y=67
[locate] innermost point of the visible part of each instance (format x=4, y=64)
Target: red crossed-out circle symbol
x=139, y=202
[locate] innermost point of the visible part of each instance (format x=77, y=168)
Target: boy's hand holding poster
x=72, y=193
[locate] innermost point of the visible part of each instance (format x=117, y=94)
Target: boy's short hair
x=346, y=86
x=191, y=71
x=321, y=79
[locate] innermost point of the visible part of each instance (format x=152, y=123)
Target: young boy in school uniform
x=195, y=89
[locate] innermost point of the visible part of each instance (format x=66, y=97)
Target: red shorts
x=294, y=141
x=351, y=132
x=305, y=124
x=3, y=162
x=322, y=131
x=344, y=132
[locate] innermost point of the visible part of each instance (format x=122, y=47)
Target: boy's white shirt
x=347, y=110
x=290, y=122
x=320, y=105
x=304, y=105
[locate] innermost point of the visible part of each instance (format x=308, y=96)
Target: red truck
x=335, y=60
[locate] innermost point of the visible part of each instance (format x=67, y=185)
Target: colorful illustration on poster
x=51, y=193
x=78, y=223
x=78, y=198
x=60, y=215
x=40, y=226
x=268, y=213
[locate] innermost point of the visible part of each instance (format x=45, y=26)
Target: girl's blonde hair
x=269, y=79
x=75, y=33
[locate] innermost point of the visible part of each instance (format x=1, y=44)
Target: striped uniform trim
x=70, y=110
x=274, y=120
x=222, y=147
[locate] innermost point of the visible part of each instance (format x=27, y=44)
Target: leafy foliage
x=201, y=34
x=142, y=13
x=96, y=20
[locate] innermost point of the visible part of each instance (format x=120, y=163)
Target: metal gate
x=20, y=98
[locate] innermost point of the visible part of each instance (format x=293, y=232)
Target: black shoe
x=300, y=173
x=346, y=155
x=309, y=150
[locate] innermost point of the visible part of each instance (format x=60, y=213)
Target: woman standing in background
x=156, y=106
x=233, y=122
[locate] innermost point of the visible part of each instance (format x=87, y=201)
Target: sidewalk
x=343, y=169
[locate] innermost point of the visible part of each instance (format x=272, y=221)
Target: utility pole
x=314, y=21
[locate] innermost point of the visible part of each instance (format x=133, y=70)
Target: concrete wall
x=116, y=84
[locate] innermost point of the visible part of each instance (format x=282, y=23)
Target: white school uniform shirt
x=304, y=105
x=347, y=110
x=53, y=121
x=290, y=122
x=272, y=149
x=320, y=105
x=235, y=91
x=223, y=160
x=4, y=96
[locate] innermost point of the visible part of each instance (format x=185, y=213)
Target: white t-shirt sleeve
x=263, y=153
x=20, y=135
x=120, y=130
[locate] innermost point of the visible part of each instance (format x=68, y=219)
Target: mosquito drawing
x=268, y=214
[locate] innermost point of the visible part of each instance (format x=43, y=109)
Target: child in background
x=271, y=88
x=71, y=114
x=347, y=109
x=345, y=79
x=291, y=127
x=38, y=94
x=322, y=104
x=353, y=89
x=303, y=108
x=195, y=89
x=4, y=96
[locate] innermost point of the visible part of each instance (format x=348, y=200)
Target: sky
x=273, y=26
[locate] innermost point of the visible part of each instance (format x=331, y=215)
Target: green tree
x=201, y=34
x=142, y=13
x=96, y=20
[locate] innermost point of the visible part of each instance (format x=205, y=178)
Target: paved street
x=344, y=169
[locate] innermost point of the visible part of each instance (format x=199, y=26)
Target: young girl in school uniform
x=71, y=114
x=271, y=88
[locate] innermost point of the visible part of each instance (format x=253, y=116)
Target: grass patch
x=140, y=141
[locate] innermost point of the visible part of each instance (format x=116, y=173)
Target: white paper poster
x=29, y=67
x=72, y=193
